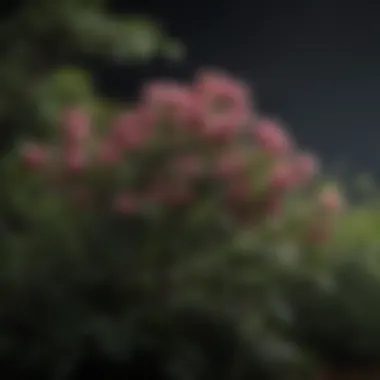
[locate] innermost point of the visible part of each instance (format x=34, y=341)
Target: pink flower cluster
x=176, y=138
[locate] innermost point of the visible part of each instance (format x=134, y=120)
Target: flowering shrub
x=190, y=165
x=180, y=145
x=155, y=208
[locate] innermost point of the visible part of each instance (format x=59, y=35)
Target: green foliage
x=335, y=312
x=40, y=36
x=74, y=266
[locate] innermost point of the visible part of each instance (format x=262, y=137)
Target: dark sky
x=314, y=63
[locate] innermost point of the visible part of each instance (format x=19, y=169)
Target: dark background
x=314, y=63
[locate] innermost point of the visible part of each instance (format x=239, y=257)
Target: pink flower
x=220, y=92
x=35, y=156
x=77, y=125
x=230, y=164
x=271, y=138
x=75, y=159
x=221, y=127
x=282, y=177
x=129, y=131
x=170, y=100
x=108, y=153
x=166, y=93
x=127, y=204
x=330, y=199
x=146, y=117
x=306, y=167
